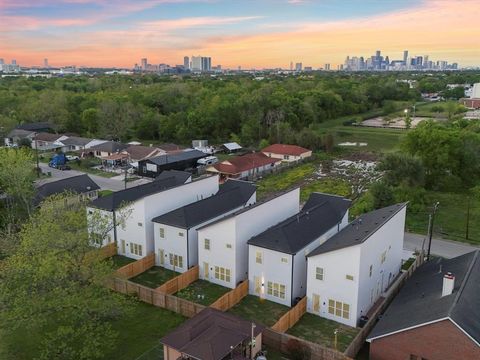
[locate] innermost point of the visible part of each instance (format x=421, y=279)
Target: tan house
x=287, y=152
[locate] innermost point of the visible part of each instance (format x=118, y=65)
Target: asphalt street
x=440, y=247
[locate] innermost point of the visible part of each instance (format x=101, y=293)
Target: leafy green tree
x=54, y=285
x=402, y=169
x=263, y=144
x=382, y=195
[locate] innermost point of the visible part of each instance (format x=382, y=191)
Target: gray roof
x=320, y=213
x=109, y=146
x=166, y=180
x=359, y=230
x=35, y=126
x=420, y=300
x=76, y=184
x=76, y=140
x=210, y=334
x=232, y=195
x=177, y=156
x=20, y=133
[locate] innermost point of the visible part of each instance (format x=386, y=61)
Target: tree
x=263, y=144
x=382, y=195
x=55, y=285
x=402, y=169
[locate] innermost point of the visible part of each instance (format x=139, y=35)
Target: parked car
x=72, y=157
x=209, y=160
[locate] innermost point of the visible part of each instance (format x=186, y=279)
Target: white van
x=209, y=160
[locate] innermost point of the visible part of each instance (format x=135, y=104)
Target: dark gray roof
x=177, y=156
x=420, y=300
x=210, y=334
x=20, y=133
x=35, y=126
x=76, y=140
x=232, y=195
x=359, y=230
x=320, y=214
x=166, y=180
x=76, y=184
x=109, y=146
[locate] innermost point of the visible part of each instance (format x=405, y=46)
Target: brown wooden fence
x=108, y=250
x=179, y=282
x=280, y=341
x=231, y=298
x=291, y=317
x=135, y=268
x=360, y=338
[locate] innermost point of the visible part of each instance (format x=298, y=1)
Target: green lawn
x=328, y=186
x=138, y=332
x=104, y=192
x=119, y=261
x=321, y=331
x=202, y=292
x=75, y=166
x=378, y=140
x=154, y=277
x=261, y=310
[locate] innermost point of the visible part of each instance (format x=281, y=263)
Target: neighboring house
x=277, y=263
x=222, y=244
x=82, y=187
x=349, y=272
x=286, y=152
x=180, y=160
x=106, y=149
x=231, y=147
x=75, y=143
x=435, y=316
x=243, y=167
x=139, y=152
x=213, y=335
x=47, y=141
x=169, y=147
x=14, y=137
x=140, y=204
x=36, y=127
x=175, y=233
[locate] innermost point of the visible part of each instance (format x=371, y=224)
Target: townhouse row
x=284, y=251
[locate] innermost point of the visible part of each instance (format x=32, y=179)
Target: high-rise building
x=14, y=62
x=206, y=64
x=291, y=65
x=2, y=61
x=144, y=64
x=298, y=66
x=45, y=63
x=186, y=62
x=196, y=63
x=327, y=67
x=405, y=57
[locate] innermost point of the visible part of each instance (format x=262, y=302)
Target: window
x=349, y=277
x=229, y=246
x=275, y=289
x=383, y=257
x=286, y=157
x=370, y=271
x=206, y=245
x=258, y=257
x=339, y=309
x=222, y=274
x=284, y=260
x=136, y=249
x=140, y=224
x=162, y=233
x=180, y=234
x=176, y=260
x=319, y=273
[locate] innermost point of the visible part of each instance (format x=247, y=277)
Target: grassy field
x=321, y=331
x=137, y=333
x=202, y=292
x=261, y=310
x=378, y=140
x=119, y=261
x=154, y=277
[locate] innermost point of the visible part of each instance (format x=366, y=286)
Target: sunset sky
x=250, y=33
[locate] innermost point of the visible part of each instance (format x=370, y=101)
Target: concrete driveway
x=104, y=182
x=440, y=247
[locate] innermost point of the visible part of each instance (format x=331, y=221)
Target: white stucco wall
x=290, y=157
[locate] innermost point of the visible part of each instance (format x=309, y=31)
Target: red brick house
x=436, y=315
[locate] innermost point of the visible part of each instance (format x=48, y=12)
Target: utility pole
x=252, y=341
x=335, y=332
x=125, y=179
x=430, y=231
x=36, y=154
x=468, y=218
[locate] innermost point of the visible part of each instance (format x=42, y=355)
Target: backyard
x=321, y=331
x=119, y=261
x=264, y=311
x=202, y=292
x=154, y=277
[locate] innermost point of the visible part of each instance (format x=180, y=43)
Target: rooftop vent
x=448, y=284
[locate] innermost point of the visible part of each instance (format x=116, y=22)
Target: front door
x=205, y=271
x=123, y=247
x=316, y=303
x=258, y=285
x=161, y=257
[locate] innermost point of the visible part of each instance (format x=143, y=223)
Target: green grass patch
x=78, y=166
x=104, y=192
x=154, y=277
x=328, y=186
x=406, y=265
x=261, y=310
x=119, y=261
x=378, y=140
x=202, y=292
x=321, y=331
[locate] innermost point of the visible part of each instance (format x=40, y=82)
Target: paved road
x=103, y=182
x=440, y=247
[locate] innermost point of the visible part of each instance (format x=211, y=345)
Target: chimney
x=448, y=284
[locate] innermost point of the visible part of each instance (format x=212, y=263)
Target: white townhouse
x=277, y=263
x=350, y=271
x=140, y=204
x=222, y=244
x=175, y=233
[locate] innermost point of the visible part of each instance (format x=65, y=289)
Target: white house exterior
x=222, y=245
x=349, y=272
x=277, y=263
x=175, y=233
x=287, y=153
x=134, y=236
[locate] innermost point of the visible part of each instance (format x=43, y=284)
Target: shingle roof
x=109, y=146
x=238, y=164
x=210, y=334
x=359, y=230
x=232, y=195
x=166, y=180
x=76, y=140
x=43, y=136
x=420, y=300
x=169, y=147
x=232, y=146
x=320, y=214
x=20, y=133
x=76, y=184
x=285, y=149
x=140, y=152
x=177, y=156
x=35, y=126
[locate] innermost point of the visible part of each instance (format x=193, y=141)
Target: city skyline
x=102, y=33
